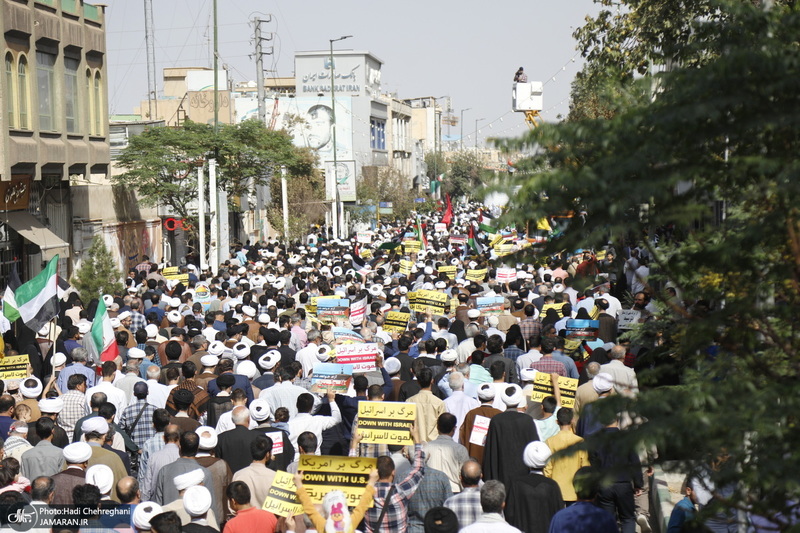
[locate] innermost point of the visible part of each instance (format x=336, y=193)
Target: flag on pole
x=487, y=223
x=101, y=344
x=358, y=310
x=35, y=302
x=447, y=218
x=473, y=241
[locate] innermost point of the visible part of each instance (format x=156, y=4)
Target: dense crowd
x=211, y=391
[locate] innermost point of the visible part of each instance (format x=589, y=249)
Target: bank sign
x=354, y=74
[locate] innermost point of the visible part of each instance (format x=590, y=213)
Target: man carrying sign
x=337, y=516
x=390, y=512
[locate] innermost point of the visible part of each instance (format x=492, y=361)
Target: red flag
x=447, y=218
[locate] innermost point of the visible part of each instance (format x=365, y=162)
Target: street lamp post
x=461, y=139
x=476, y=132
x=334, y=217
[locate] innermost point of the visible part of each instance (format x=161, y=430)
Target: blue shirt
x=572, y=370
x=581, y=517
x=76, y=368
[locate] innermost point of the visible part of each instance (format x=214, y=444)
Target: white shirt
x=459, y=404
x=114, y=395
x=452, y=340
x=283, y=394
x=225, y=422
x=316, y=424
x=307, y=357
x=157, y=393
x=527, y=359
x=490, y=523
x=625, y=381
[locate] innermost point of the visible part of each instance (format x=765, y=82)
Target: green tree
x=98, y=274
x=721, y=133
x=464, y=174
x=305, y=189
x=436, y=165
x=381, y=184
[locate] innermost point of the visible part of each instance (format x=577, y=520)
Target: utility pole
x=476, y=132
x=216, y=73
x=461, y=136
x=262, y=112
x=335, y=160
x=152, y=90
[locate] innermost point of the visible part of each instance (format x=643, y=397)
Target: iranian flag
x=101, y=343
x=35, y=302
x=421, y=234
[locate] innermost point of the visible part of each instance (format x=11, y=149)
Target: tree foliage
x=463, y=175
x=305, y=196
x=435, y=164
x=386, y=185
x=98, y=274
x=720, y=132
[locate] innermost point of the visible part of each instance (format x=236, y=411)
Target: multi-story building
x=54, y=126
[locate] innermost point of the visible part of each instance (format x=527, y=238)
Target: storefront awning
x=31, y=229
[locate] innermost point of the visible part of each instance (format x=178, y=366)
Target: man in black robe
x=533, y=499
x=509, y=433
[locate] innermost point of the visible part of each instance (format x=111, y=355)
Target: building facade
x=54, y=126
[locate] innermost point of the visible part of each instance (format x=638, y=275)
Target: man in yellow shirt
x=562, y=468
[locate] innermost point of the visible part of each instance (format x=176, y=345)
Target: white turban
x=143, y=513
x=512, y=395
x=101, y=476
x=189, y=479
x=486, y=392
x=95, y=423
x=197, y=501
x=51, y=405
x=30, y=387
x=208, y=437
x=602, y=382
x=77, y=452
x=260, y=410
x=536, y=454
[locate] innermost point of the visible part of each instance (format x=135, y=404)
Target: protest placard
x=557, y=307
x=504, y=248
x=360, y=356
x=448, y=270
x=412, y=246
x=386, y=422
x=480, y=427
x=543, y=387
x=628, y=318
x=331, y=310
x=282, y=496
x=174, y=273
x=14, y=367
x=425, y=301
x=490, y=305
x=324, y=473
x=332, y=375
x=583, y=330
x=457, y=238
x=506, y=275
x=405, y=267
x=440, y=227
x=364, y=237
x=476, y=275
x=396, y=321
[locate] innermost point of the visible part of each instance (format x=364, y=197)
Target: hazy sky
x=468, y=49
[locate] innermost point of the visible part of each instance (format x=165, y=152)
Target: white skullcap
x=189, y=479
x=428, y=270
x=473, y=313
x=269, y=359
x=241, y=350
x=51, y=405
x=247, y=369
x=486, y=392
x=427, y=286
x=30, y=391
x=260, y=410
x=248, y=311
x=209, y=360
x=101, y=476
x=241, y=270
x=58, y=359
x=174, y=316
x=216, y=348
x=95, y=423
x=512, y=395
x=175, y=302
x=143, y=513
x=449, y=355
x=114, y=322
x=536, y=454
x=527, y=374
x=558, y=288
x=376, y=290
x=493, y=321
x=84, y=327
x=77, y=452
x=197, y=501
x=392, y=365
x=123, y=315
x=152, y=331
x=208, y=437
x=602, y=382
x=135, y=353
x=440, y=284
x=324, y=352
x=402, y=289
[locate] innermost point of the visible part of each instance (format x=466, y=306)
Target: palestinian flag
x=360, y=266
x=35, y=302
x=473, y=241
x=101, y=343
x=487, y=223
